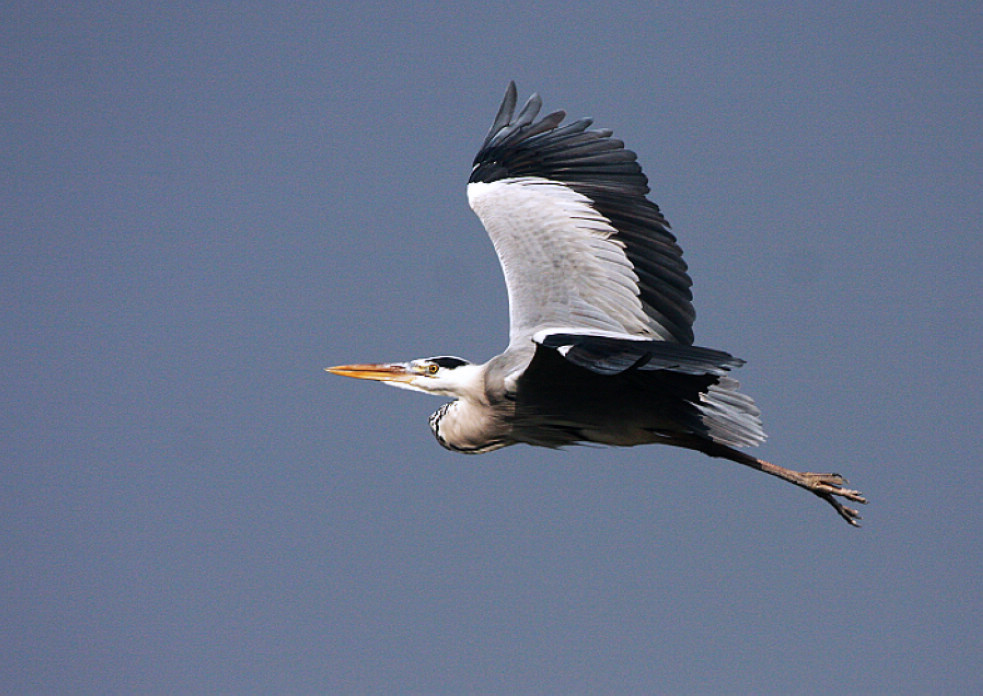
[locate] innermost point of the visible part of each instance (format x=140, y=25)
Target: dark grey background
x=204, y=206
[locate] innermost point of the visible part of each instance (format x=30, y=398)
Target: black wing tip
x=505, y=116
x=517, y=144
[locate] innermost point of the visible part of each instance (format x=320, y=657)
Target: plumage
x=600, y=313
x=598, y=167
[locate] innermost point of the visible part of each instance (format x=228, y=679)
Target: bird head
x=441, y=375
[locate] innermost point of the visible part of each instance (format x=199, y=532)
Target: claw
x=828, y=485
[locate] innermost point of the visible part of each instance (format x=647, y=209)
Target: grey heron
x=600, y=311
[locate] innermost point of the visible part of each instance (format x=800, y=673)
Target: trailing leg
x=826, y=486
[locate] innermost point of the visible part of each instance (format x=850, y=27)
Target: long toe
x=832, y=484
x=828, y=487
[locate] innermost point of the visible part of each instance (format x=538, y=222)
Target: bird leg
x=826, y=486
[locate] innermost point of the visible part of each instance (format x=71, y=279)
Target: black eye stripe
x=448, y=361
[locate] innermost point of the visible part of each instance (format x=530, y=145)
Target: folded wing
x=690, y=383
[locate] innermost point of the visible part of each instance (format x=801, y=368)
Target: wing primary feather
x=528, y=113
x=505, y=111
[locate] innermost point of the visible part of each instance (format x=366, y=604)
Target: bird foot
x=826, y=486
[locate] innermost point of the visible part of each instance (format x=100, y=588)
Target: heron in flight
x=600, y=313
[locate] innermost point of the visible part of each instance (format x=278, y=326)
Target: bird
x=601, y=346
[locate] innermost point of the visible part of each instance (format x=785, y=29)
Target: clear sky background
x=204, y=206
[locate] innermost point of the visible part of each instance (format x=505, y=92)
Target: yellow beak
x=381, y=372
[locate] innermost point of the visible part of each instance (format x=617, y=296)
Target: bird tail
x=729, y=417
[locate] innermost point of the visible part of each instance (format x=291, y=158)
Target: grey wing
x=581, y=247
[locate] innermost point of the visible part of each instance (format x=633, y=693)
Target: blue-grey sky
x=203, y=206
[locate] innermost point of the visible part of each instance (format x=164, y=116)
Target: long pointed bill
x=381, y=372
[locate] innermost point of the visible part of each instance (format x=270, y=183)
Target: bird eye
x=432, y=368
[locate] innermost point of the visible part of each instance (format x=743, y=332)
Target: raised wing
x=580, y=245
